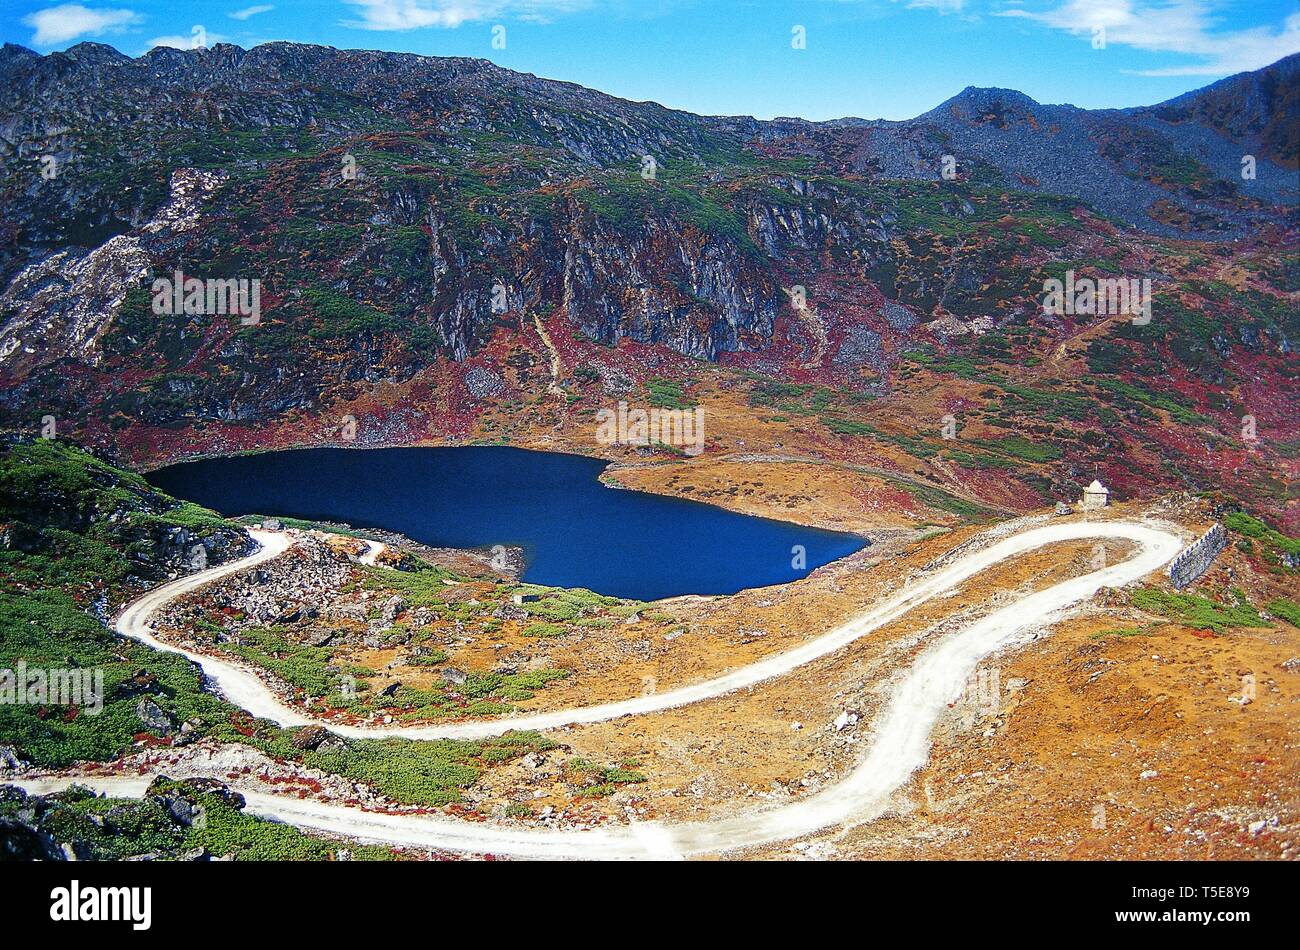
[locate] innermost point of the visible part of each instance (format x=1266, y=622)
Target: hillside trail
x=557, y=367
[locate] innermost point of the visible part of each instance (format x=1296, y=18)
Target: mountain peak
x=93, y=54
x=984, y=98
x=14, y=51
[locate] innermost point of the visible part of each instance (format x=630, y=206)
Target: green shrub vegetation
x=604, y=779
x=667, y=394
x=1253, y=528
x=113, y=829
x=340, y=317
x=1145, y=631
x=544, y=630
x=1193, y=610
x=1286, y=609
x=1022, y=448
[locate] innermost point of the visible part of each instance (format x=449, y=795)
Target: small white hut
x=1095, y=495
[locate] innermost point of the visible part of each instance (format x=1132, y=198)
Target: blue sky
x=869, y=58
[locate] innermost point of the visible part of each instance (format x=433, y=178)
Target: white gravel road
x=899, y=743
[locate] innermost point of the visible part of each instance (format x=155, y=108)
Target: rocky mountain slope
x=442, y=242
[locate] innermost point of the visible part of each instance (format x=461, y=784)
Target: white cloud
x=177, y=41
x=415, y=14
x=942, y=6
x=70, y=20
x=1176, y=26
x=247, y=12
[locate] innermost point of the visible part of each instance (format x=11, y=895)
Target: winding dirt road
x=899, y=744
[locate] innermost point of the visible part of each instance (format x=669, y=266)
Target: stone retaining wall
x=1196, y=559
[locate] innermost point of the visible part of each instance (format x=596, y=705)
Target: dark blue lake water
x=574, y=531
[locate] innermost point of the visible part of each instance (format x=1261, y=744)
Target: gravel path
x=900, y=742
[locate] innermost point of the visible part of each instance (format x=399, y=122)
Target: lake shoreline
x=551, y=504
